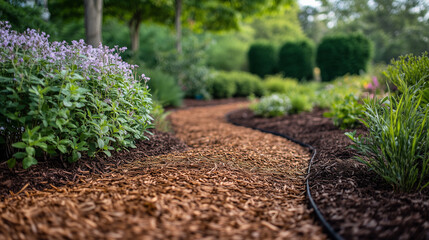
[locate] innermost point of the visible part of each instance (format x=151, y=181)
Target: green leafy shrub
x=277, y=84
x=60, y=99
x=262, y=59
x=296, y=60
x=397, y=146
x=246, y=84
x=342, y=54
x=330, y=93
x=164, y=89
x=221, y=85
x=300, y=103
x=346, y=112
x=272, y=106
x=411, y=70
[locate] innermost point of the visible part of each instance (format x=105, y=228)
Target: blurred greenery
x=22, y=16
x=217, y=34
x=397, y=27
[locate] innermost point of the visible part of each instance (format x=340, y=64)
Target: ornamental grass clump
x=397, y=145
x=63, y=100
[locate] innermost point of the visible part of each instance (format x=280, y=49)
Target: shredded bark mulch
x=231, y=183
x=58, y=173
x=355, y=201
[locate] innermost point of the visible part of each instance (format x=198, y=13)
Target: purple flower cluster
x=32, y=46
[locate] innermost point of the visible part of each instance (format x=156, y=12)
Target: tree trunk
x=93, y=21
x=178, y=24
x=134, y=26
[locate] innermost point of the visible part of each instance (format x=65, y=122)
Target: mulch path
x=57, y=173
x=355, y=201
x=230, y=183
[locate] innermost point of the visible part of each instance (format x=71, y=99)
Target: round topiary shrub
x=296, y=60
x=221, y=86
x=63, y=100
x=341, y=54
x=262, y=59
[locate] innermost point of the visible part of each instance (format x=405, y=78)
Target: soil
x=356, y=202
x=230, y=183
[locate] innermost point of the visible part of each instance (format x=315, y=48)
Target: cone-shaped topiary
x=262, y=59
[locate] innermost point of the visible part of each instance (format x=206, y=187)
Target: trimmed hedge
x=221, y=86
x=341, y=54
x=262, y=59
x=296, y=59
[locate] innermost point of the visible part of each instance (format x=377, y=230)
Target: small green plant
x=397, y=146
x=346, y=112
x=300, y=103
x=272, y=106
x=160, y=121
x=329, y=93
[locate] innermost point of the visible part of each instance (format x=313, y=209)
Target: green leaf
x=67, y=102
x=62, y=148
x=75, y=156
x=20, y=155
x=31, y=151
x=28, y=162
x=100, y=143
x=107, y=152
x=19, y=145
x=42, y=145
x=11, y=163
x=104, y=129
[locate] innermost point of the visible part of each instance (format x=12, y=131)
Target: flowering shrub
x=272, y=106
x=61, y=99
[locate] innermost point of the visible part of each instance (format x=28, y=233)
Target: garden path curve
x=232, y=183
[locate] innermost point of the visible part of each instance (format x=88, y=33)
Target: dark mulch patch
x=355, y=201
x=58, y=173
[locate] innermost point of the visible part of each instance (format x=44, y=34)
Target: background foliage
x=341, y=54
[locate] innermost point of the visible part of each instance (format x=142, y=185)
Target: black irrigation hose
x=328, y=228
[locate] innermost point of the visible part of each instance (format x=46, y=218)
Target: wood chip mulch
x=354, y=200
x=231, y=183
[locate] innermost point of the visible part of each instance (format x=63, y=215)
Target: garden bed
x=356, y=202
